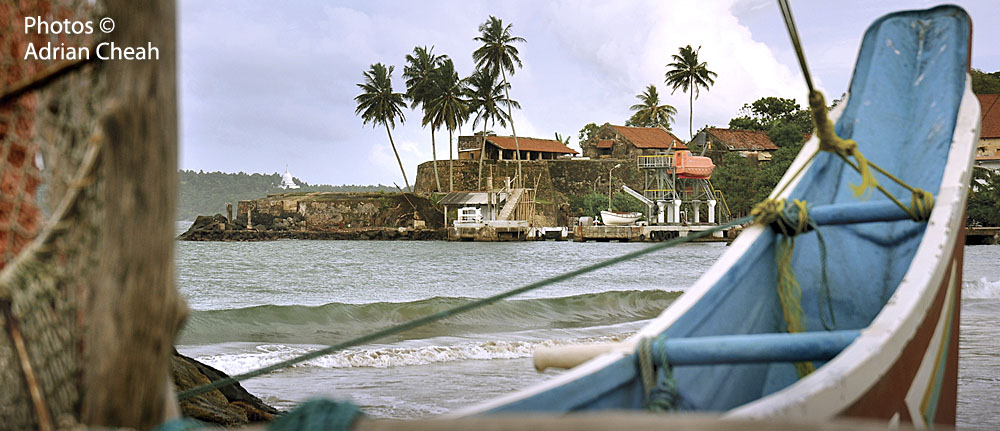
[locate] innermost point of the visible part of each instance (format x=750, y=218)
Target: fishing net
x=49, y=213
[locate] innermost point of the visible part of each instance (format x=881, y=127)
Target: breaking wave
x=386, y=357
x=334, y=322
x=981, y=289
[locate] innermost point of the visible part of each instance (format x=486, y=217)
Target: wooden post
x=134, y=310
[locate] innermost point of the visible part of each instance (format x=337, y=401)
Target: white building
x=286, y=180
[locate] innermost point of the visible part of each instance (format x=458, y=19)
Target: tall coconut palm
x=649, y=112
x=486, y=97
x=377, y=104
x=690, y=75
x=499, y=55
x=447, y=107
x=419, y=72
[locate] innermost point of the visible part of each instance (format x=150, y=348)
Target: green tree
x=985, y=83
x=741, y=182
x=588, y=131
x=421, y=67
x=588, y=205
x=649, y=112
x=486, y=97
x=766, y=112
x=448, y=107
x=593, y=203
x=984, y=197
x=499, y=55
x=690, y=75
x=377, y=104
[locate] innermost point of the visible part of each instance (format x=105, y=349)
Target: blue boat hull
x=894, y=280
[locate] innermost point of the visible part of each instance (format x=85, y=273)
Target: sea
x=257, y=303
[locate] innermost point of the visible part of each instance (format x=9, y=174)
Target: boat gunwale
x=825, y=393
x=821, y=395
x=736, y=250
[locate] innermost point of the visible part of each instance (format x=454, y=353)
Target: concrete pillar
x=677, y=211
x=711, y=211
x=661, y=206
x=229, y=212
x=697, y=211
x=249, y=222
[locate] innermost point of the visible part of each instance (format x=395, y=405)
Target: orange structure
x=691, y=166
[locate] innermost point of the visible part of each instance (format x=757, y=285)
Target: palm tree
x=419, y=73
x=563, y=140
x=649, y=112
x=499, y=55
x=690, y=75
x=448, y=107
x=486, y=96
x=377, y=104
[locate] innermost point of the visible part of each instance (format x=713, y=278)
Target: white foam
x=238, y=363
x=981, y=289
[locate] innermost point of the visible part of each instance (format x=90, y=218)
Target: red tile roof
x=606, y=143
x=990, y=104
x=651, y=137
x=530, y=144
x=743, y=139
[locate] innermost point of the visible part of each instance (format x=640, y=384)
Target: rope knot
x=658, y=385
x=921, y=204
x=787, y=220
x=768, y=211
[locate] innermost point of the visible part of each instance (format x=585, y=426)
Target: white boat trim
x=681, y=305
x=833, y=387
x=843, y=380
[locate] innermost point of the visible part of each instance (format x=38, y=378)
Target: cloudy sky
x=266, y=84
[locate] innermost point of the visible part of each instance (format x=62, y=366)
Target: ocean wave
x=387, y=357
x=334, y=322
x=981, y=289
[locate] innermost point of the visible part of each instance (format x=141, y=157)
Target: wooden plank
x=616, y=420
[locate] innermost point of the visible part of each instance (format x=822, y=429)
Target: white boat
x=615, y=218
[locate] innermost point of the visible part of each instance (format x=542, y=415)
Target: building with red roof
x=752, y=144
x=623, y=142
x=988, y=150
x=504, y=148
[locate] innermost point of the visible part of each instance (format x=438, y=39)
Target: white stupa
x=286, y=180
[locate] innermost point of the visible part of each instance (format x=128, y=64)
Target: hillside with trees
x=206, y=193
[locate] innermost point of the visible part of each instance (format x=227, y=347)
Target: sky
x=266, y=85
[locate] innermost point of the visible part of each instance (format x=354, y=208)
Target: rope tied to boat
x=661, y=393
x=921, y=204
x=829, y=141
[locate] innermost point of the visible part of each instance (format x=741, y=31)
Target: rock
x=227, y=406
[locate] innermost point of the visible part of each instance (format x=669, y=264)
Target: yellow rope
x=829, y=141
x=921, y=204
x=789, y=291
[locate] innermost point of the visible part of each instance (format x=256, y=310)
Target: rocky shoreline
x=217, y=228
x=227, y=406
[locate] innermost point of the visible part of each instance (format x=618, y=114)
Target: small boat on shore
x=879, y=289
x=616, y=218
